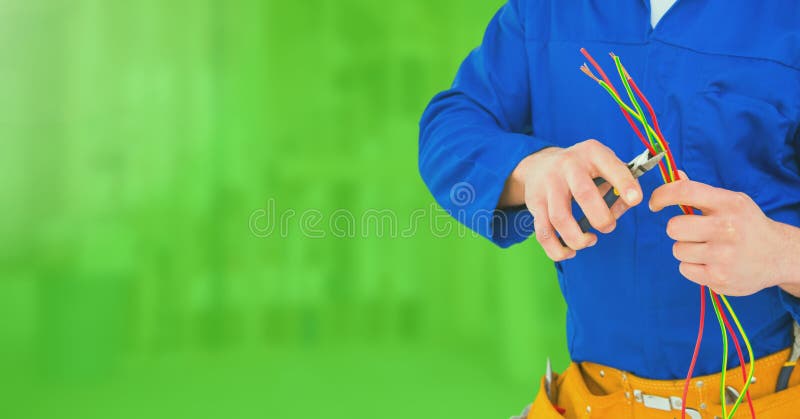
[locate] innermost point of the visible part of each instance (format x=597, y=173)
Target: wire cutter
x=640, y=165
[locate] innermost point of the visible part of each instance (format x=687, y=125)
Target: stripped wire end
x=625, y=73
x=624, y=70
x=588, y=72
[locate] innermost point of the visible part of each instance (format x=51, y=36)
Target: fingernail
x=593, y=242
x=650, y=205
x=632, y=195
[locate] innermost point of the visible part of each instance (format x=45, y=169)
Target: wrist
x=521, y=171
x=787, y=262
x=514, y=190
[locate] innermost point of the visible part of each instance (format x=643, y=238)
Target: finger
x=613, y=170
x=695, y=272
x=559, y=205
x=692, y=228
x=546, y=236
x=687, y=192
x=588, y=197
x=695, y=253
x=683, y=176
x=619, y=208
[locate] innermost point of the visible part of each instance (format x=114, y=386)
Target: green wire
x=638, y=114
x=650, y=131
x=654, y=139
x=749, y=353
x=636, y=105
x=621, y=103
x=724, y=355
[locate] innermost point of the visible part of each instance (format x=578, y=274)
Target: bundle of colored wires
x=655, y=144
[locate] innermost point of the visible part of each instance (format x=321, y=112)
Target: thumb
x=682, y=175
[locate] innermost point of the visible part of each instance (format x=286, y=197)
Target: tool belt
x=587, y=390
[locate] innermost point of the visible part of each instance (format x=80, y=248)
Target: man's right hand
x=547, y=181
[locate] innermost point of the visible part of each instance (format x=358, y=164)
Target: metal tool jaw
x=642, y=163
x=731, y=395
x=548, y=380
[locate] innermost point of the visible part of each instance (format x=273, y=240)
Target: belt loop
x=700, y=385
x=626, y=386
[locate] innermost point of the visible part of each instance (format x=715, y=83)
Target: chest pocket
x=741, y=129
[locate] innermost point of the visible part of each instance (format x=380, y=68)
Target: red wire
x=690, y=210
x=696, y=350
x=627, y=117
x=738, y=351
x=653, y=117
x=687, y=210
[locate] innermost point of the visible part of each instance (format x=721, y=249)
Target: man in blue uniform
x=529, y=132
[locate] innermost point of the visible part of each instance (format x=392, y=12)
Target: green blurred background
x=145, y=146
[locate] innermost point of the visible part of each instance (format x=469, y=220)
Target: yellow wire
x=651, y=134
x=749, y=354
x=650, y=131
x=724, y=371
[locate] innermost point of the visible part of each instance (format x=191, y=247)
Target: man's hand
x=733, y=247
x=547, y=181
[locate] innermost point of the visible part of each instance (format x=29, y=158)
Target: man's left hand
x=733, y=248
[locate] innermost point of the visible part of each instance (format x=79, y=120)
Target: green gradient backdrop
x=145, y=145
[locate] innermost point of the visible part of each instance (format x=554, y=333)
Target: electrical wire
x=614, y=93
x=745, y=376
x=719, y=311
x=624, y=78
x=751, y=372
x=670, y=157
x=655, y=139
x=624, y=106
x=655, y=142
x=638, y=133
x=724, y=370
x=687, y=210
x=696, y=349
x=628, y=112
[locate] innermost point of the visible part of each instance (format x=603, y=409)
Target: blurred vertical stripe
x=138, y=139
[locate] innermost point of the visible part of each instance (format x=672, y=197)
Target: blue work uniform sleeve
x=473, y=135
